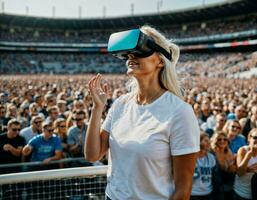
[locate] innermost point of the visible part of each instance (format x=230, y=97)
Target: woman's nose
x=131, y=56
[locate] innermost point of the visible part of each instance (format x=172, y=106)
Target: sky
x=96, y=8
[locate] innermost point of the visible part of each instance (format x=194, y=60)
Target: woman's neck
x=220, y=150
x=202, y=153
x=148, y=91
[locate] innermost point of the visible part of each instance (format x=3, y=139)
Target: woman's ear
x=160, y=64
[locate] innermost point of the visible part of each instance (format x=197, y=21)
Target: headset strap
x=159, y=49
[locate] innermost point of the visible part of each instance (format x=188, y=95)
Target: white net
x=73, y=184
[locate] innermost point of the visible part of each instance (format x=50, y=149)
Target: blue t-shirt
x=43, y=149
x=236, y=143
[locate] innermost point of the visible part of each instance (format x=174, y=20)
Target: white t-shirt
x=142, y=140
x=202, y=181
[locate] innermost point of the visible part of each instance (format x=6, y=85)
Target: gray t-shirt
x=142, y=140
x=77, y=136
x=28, y=133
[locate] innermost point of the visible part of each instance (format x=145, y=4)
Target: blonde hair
x=214, y=141
x=254, y=130
x=168, y=76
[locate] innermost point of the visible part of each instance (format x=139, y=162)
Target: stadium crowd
x=44, y=118
x=203, y=64
x=187, y=30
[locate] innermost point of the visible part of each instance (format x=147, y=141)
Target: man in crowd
x=3, y=119
x=34, y=129
x=11, y=145
x=53, y=113
x=45, y=147
x=77, y=133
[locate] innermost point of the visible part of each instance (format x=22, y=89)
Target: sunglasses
x=254, y=137
x=38, y=122
x=236, y=127
x=78, y=119
x=62, y=126
x=16, y=129
x=50, y=130
x=222, y=139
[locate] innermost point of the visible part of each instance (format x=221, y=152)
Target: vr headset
x=134, y=42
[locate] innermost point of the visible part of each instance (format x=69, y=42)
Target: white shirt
x=142, y=140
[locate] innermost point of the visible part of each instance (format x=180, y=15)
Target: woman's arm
x=97, y=141
x=243, y=157
x=183, y=170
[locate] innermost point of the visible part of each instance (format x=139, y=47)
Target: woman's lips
x=132, y=64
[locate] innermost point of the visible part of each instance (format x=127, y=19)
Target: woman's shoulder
x=175, y=102
x=124, y=98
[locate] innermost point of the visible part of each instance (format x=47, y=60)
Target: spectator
x=45, y=147
x=210, y=123
x=11, y=112
x=3, y=119
x=78, y=105
x=225, y=162
x=61, y=104
x=61, y=131
x=11, y=145
x=220, y=122
x=53, y=113
x=249, y=123
x=232, y=129
x=23, y=116
x=240, y=112
x=33, y=130
x=246, y=168
x=33, y=110
x=205, y=110
x=77, y=134
x=50, y=101
x=39, y=102
x=202, y=188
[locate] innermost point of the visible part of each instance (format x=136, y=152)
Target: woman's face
x=222, y=141
x=253, y=139
x=234, y=128
x=143, y=66
x=62, y=127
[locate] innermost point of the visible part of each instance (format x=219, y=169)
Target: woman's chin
x=130, y=71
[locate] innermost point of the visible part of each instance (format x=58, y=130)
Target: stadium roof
x=217, y=11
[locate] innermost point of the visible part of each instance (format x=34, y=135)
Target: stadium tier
x=72, y=46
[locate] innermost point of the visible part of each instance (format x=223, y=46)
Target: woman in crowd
x=246, y=169
x=61, y=131
x=232, y=128
x=151, y=131
x=203, y=177
x=225, y=162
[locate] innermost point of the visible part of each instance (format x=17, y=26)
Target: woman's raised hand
x=98, y=91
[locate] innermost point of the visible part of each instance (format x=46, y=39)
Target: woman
x=232, y=128
x=202, y=188
x=246, y=168
x=220, y=147
x=151, y=131
x=61, y=130
x=225, y=162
